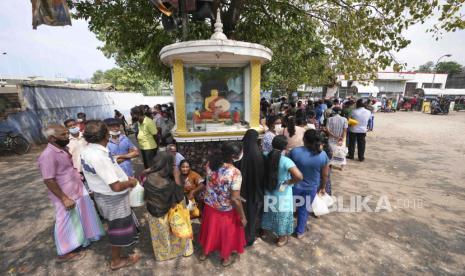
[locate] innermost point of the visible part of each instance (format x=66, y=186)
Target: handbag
x=180, y=222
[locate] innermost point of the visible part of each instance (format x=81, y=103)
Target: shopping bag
x=180, y=222
x=136, y=196
x=319, y=206
x=339, y=155
x=328, y=200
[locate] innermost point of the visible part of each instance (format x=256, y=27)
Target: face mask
x=74, y=130
x=115, y=133
x=278, y=128
x=62, y=143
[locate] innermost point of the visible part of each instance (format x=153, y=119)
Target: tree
x=311, y=40
x=97, y=77
x=124, y=79
x=449, y=67
x=426, y=68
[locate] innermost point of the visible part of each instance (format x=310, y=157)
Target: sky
x=72, y=52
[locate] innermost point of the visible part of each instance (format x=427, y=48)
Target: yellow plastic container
x=426, y=107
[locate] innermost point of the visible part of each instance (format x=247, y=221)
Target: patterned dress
x=278, y=214
x=165, y=244
x=266, y=141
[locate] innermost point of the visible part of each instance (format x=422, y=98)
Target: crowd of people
x=246, y=192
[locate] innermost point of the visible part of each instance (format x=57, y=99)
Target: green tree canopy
x=311, y=39
x=426, y=68
x=449, y=67
x=130, y=80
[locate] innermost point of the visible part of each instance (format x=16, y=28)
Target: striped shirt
x=336, y=125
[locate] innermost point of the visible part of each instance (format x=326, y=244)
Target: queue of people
x=246, y=192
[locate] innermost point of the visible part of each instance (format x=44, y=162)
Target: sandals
x=282, y=242
x=126, y=262
x=229, y=261
x=71, y=257
x=203, y=257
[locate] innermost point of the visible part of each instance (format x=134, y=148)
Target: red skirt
x=221, y=231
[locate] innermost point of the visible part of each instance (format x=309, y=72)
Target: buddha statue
x=216, y=106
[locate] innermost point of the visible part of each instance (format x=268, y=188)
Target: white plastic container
x=136, y=196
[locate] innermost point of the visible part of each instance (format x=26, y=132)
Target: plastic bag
x=180, y=221
x=352, y=122
x=339, y=155
x=319, y=206
x=328, y=200
x=193, y=208
x=136, y=196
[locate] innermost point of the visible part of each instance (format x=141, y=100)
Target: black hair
x=311, y=114
x=163, y=164
x=290, y=125
x=279, y=144
x=228, y=150
x=337, y=110
x=137, y=110
x=95, y=132
x=184, y=161
x=312, y=141
x=81, y=115
x=271, y=120
x=329, y=104
x=300, y=120
x=65, y=123
x=360, y=103
x=112, y=122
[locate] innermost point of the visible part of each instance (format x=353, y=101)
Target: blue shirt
x=122, y=147
x=179, y=158
x=310, y=165
x=284, y=198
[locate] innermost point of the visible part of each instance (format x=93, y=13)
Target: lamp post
x=436, y=67
x=3, y=54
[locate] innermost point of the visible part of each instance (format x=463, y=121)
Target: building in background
x=456, y=81
x=386, y=84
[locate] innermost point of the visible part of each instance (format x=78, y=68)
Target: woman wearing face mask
x=120, y=146
x=274, y=128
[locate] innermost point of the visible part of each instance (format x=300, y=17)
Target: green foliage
x=426, y=68
x=130, y=80
x=449, y=67
x=312, y=40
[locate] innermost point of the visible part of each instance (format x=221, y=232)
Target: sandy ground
x=415, y=161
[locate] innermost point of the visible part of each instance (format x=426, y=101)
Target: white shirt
x=101, y=170
x=362, y=115
x=75, y=147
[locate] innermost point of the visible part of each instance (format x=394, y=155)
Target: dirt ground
x=414, y=162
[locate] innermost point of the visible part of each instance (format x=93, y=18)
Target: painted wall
x=46, y=105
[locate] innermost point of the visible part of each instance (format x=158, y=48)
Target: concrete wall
x=45, y=105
